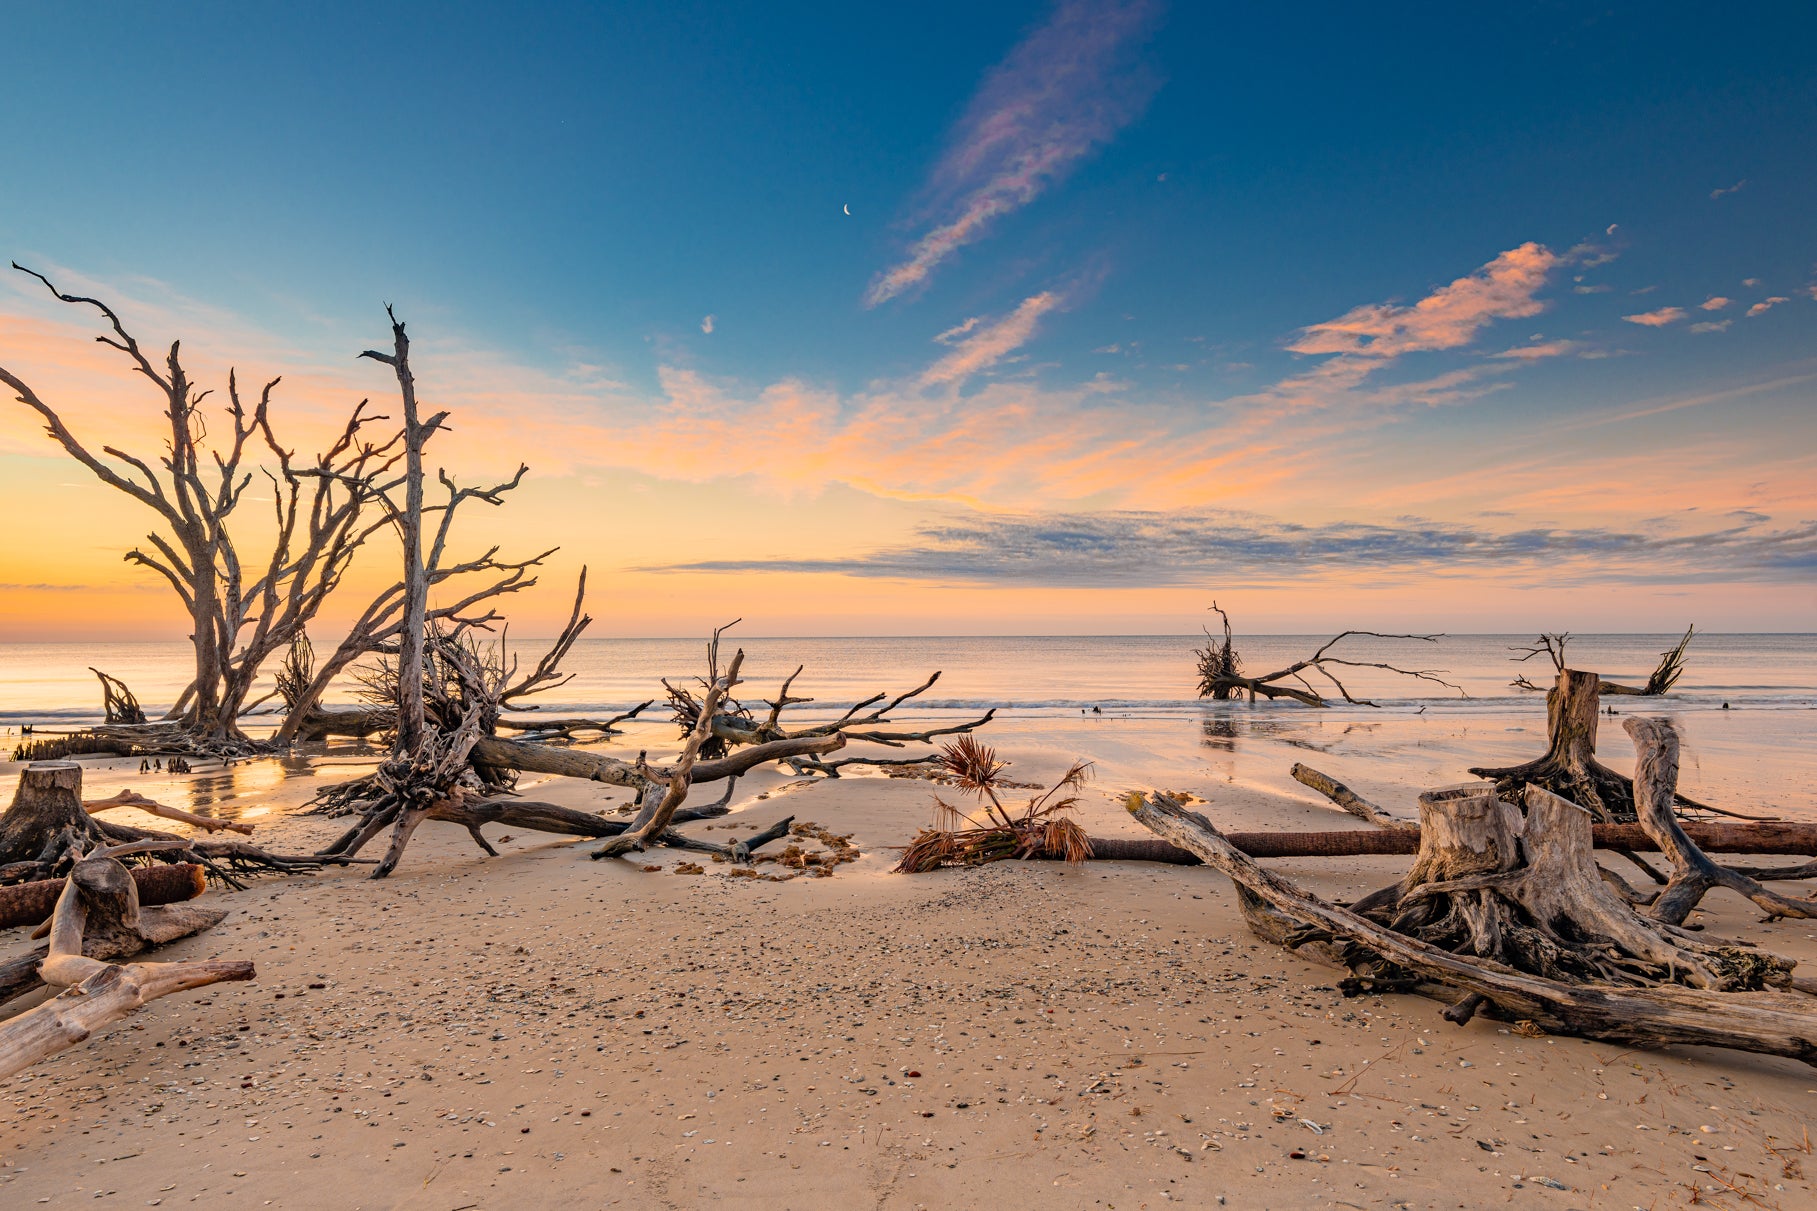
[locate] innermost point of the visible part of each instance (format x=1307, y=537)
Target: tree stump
x=1526, y=892
x=1645, y=1006
x=46, y=818
x=1569, y=766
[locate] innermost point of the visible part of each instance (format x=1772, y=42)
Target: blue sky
x=575, y=190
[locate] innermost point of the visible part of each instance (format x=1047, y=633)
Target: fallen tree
x=1786, y=838
x=1043, y=826
x=1693, y=874
x=1221, y=677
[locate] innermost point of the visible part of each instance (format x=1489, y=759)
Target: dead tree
x=1507, y=914
x=1569, y=766
x=1043, y=826
x=98, y=917
x=242, y=607
x=1221, y=678
x=1664, y=676
x=736, y=725
x=118, y=703
x=466, y=587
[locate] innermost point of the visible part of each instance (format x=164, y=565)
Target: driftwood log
x=127, y=798
x=1647, y=1008
x=1346, y=798
x=32, y=903
x=1787, y=837
x=98, y=916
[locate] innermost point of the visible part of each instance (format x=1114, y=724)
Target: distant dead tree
x=1221, y=677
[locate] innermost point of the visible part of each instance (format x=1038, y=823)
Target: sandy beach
x=542, y=1030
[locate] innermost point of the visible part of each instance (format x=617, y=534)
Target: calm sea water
x=1035, y=675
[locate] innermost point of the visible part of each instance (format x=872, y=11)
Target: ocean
x=49, y=683
x=1125, y=703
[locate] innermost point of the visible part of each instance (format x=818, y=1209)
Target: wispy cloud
x=1657, y=319
x=1064, y=91
x=707, y=322
x=978, y=346
x=1218, y=547
x=1712, y=326
x=1714, y=303
x=1737, y=187
x=1540, y=350
x=1448, y=318
x=1766, y=305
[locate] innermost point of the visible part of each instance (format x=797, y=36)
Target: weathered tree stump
x=1655, y=985
x=46, y=817
x=1569, y=766
x=98, y=917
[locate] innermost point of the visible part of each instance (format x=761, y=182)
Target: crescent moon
x=848, y=208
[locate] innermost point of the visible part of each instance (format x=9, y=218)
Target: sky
x=959, y=318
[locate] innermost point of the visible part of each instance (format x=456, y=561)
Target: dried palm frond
x=960, y=839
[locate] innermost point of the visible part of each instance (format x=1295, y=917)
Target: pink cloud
x=1542, y=349
x=1657, y=319
x=1064, y=91
x=1712, y=326
x=1448, y=318
x=977, y=347
x=1714, y=303
x=1766, y=305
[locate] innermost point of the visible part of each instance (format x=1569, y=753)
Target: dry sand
x=541, y=1030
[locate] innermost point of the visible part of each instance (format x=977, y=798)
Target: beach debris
x=1693, y=874
x=32, y=903
x=1505, y=911
x=1041, y=826
x=1341, y=795
x=1221, y=677
x=1791, y=837
x=98, y=916
x=127, y=798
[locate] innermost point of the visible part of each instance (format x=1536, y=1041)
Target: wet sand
x=542, y=1030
